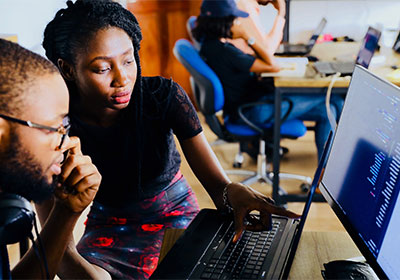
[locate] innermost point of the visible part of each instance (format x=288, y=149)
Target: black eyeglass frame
x=62, y=129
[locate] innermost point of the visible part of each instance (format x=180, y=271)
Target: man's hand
x=243, y=200
x=79, y=179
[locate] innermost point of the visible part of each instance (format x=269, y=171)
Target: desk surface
x=341, y=51
x=315, y=249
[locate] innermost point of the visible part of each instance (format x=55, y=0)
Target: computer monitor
x=361, y=175
x=368, y=46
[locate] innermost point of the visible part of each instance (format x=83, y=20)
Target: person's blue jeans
x=305, y=107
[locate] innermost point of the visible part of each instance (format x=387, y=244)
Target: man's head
x=33, y=106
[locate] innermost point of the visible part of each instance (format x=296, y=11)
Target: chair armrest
x=253, y=104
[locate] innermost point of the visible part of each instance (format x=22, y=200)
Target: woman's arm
x=274, y=37
x=253, y=24
x=265, y=61
x=242, y=198
x=206, y=167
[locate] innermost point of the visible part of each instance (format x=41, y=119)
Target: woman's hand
x=244, y=200
x=79, y=179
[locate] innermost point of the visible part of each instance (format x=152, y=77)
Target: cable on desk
x=331, y=118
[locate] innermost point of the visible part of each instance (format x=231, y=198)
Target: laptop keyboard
x=242, y=260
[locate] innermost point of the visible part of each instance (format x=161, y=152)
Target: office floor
x=301, y=159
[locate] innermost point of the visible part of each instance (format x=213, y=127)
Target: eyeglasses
x=62, y=129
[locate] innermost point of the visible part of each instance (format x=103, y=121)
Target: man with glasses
x=38, y=160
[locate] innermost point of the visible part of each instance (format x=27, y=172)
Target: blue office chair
x=190, y=25
x=209, y=97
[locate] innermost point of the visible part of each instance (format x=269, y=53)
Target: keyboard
x=241, y=260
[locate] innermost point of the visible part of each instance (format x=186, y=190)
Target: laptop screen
x=368, y=47
x=317, y=32
x=361, y=176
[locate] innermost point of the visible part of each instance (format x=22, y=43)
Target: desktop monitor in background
x=361, y=179
x=368, y=47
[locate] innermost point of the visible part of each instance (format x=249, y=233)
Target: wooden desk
x=315, y=249
x=340, y=51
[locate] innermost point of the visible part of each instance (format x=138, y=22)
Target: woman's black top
x=167, y=110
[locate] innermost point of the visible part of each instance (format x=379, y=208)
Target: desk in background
x=313, y=83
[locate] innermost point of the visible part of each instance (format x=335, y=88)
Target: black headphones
x=16, y=218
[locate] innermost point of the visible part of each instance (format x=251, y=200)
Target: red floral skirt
x=126, y=242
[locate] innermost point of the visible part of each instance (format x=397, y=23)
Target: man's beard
x=21, y=174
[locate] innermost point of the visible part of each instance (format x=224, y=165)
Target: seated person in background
x=273, y=38
x=238, y=71
x=33, y=142
x=126, y=123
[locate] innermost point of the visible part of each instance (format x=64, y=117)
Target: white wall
x=345, y=17
x=28, y=18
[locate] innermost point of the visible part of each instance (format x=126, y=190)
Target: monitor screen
x=361, y=179
x=368, y=47
x=316, y=33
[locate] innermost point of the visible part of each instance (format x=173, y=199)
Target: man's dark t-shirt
x=232, y=66
x=4, y=264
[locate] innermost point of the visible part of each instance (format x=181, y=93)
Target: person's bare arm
x=265, y=61
x=242, y=198
x=275, y=35
x=253, y=24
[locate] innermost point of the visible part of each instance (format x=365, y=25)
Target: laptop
x=396, y=45
x=205, y=250
x=364, y=56
x=302, y=49
x=361, y=178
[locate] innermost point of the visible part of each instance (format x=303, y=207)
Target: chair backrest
x=206, y=85
x=208, y=92
x=190, y=25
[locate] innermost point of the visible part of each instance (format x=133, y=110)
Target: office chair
x=190, y=24
x=209, y=97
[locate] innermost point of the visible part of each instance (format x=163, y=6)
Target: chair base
x=263, y=175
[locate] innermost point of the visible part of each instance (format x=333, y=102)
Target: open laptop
x=302, y=49
x=364, y=56
x=361, y=178
x=396, y=45
x=206, y=251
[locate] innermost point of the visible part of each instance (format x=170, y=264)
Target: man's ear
x=4, y=132
x=66, y=69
